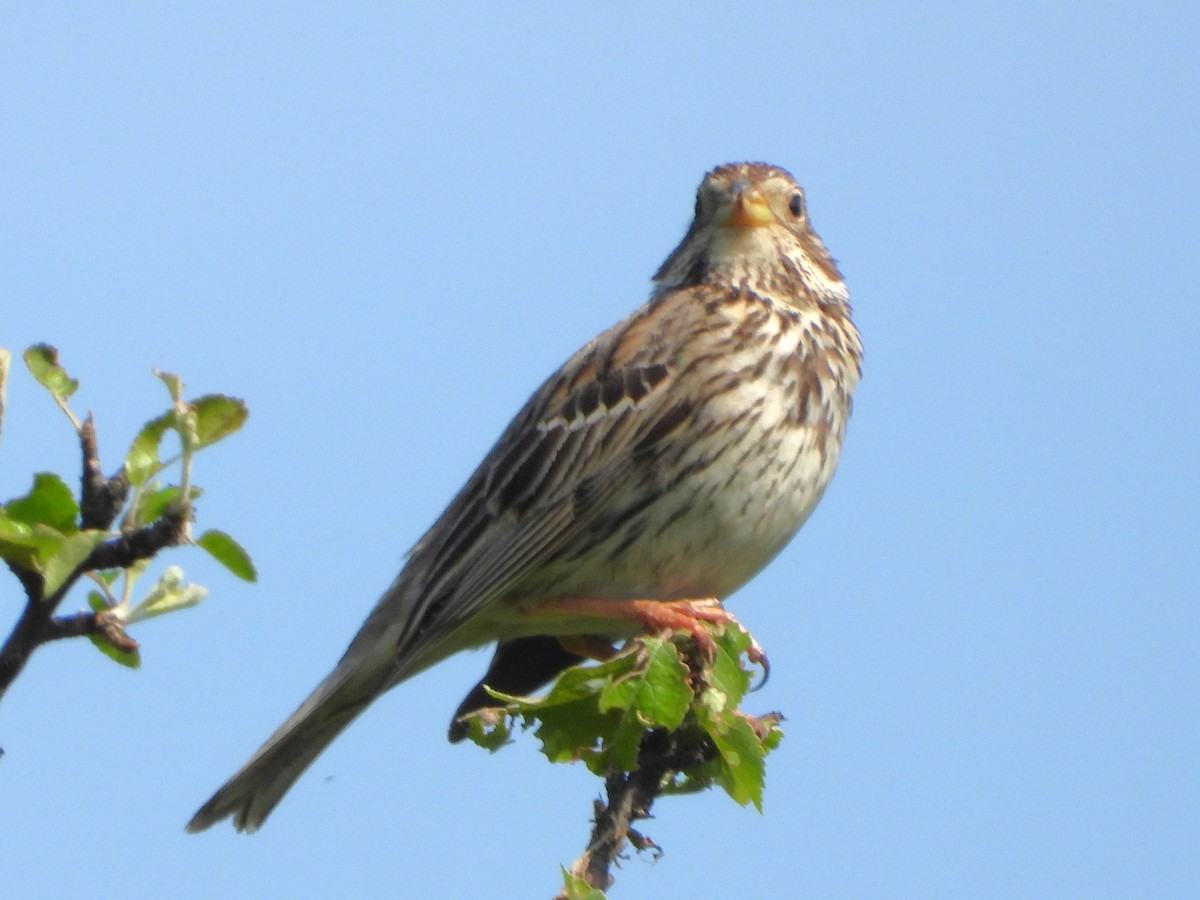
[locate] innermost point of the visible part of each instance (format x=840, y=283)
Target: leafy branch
x=659, y=718
x=50, y=540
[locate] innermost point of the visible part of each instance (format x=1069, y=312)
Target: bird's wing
x=598, y=424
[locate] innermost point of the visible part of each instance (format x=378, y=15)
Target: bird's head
x=751, y=232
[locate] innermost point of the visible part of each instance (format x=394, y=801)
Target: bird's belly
x=744, y=512
x=711, y=531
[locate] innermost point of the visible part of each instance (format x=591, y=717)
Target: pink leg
x=655, y=615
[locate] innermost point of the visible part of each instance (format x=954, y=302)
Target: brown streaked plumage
x=656, y=472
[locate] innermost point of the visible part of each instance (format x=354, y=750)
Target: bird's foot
x=656, y=616
x=757, y=656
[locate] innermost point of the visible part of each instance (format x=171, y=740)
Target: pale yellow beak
x=749, y=210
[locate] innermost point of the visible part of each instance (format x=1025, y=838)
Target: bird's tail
x=251, y=794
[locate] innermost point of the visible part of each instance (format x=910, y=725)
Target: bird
x=655, y=473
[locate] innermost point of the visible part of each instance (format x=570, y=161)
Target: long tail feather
x=251, y=794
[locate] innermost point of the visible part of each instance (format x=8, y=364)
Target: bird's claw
x=758, y=656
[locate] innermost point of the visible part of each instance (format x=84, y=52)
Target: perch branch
x=631, y=796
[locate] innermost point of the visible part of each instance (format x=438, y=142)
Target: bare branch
x=141, y=544
x=87, y=623
x=100, y=499
x=630, y=797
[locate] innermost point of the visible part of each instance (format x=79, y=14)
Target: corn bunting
x=651, y=476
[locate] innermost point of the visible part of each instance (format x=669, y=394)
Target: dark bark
x=630, y=797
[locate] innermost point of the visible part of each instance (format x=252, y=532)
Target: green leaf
x=174, y=384
x=659, y=690
x=141, y=462
x=97, y=602
x=26, y=547
x=727, y=674
x=743, y=769
x=578, y=889
x=600, y=715
x=569, y=724
x=228, y=553
x=42, y=360
x=217, y=417
x=619, y=748
x=171, y=593
x=66, y=559
x=772, y=722
x=49, y=502
x=13, y=529
x=573, y=730
x=152, y=504
x=129, y=659
x=490, y=728
x=586, y=681
x=109, y=576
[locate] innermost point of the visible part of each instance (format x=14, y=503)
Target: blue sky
x=383, y=226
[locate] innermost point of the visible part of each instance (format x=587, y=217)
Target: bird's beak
x=749, y=209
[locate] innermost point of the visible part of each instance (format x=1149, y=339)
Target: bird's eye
x=796, y=205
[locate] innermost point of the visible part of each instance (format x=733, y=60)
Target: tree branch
x=36, y=556
x=100, y=498
x=30, y=581
x=169, y=531
x=87, y=623
x=630, y=797
x=100, y=502
x=34, y=627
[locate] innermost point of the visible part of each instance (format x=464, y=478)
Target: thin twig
x=86, y=623
x=631, y=796
x=143, y=543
